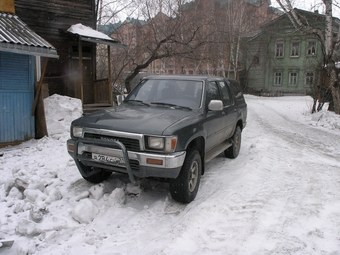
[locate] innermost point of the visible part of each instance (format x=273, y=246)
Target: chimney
x=316, y=11
x=7, y=6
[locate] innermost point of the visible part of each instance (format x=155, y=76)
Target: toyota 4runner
x=168, y=127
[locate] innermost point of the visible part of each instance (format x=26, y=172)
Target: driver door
x=214, y=121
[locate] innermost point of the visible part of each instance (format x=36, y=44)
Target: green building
x=281, y=60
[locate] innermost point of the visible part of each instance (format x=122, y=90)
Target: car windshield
x=183, y=93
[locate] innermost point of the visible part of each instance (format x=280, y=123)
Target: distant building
x=280, y=60
x=133, y=32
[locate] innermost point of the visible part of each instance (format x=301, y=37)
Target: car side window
x=213, y=93
x=236, y=89
x=225, y=93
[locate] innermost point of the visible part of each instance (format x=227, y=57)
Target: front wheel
x=184, y=188
x=234, y=149
x=99, y=177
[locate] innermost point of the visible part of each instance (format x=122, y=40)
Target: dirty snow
x=280, y=196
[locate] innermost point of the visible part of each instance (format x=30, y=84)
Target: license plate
x=107, y=159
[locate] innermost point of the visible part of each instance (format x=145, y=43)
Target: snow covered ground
x=280, y=196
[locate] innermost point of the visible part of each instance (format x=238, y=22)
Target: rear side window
x=235, y=88
x=225, y=93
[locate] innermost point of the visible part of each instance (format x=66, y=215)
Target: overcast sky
x=310, y=5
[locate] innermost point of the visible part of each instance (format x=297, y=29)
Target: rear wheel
x=94, y=174
x=184, y=188
x=234, y=149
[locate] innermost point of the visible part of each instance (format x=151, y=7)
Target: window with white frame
x=295, y=49
x=293, y=79
x=277, y=78
x=309, y=79
x=311, y=48
x=279, y=50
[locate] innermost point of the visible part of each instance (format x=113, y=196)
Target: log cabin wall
x=50, y=19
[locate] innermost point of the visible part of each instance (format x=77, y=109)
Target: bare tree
x=228, y=21
x=109, y=11
x=238, y=23
x=329, y=44
x=167, y=32
x=197, y=36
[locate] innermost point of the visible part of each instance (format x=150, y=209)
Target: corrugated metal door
x=16, y=97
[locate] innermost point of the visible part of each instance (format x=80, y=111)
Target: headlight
x=156, y=143
x=77, y=131
x=167, y=144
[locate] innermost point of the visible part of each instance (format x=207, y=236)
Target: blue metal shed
x=18, y=46
x=16, y=97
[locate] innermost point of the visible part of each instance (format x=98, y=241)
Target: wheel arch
x=198, y=144
x=240, y=124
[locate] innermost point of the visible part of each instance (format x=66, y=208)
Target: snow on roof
x=88, y=31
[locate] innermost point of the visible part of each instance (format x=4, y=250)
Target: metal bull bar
x=105, y=143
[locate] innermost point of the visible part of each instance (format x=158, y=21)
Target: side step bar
x=211, y=154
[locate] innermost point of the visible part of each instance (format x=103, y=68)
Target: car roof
x=183, y=77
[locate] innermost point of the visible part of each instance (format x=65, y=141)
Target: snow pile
x=325, y=119
x=80, y=29
x=300, y=109
x=60, y=111
x=280, y=196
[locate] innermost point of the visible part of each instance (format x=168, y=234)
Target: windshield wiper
x=165, y=104
x=171, y=105
x=137, y=101
x=183, y=107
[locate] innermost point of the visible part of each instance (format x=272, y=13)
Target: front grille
x=129, y=143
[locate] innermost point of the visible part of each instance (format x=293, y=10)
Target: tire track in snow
x=292, y=131
x=260, y=199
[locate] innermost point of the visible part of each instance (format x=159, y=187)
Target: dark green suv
x=168, y=127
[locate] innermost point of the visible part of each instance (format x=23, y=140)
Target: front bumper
x=146, y=164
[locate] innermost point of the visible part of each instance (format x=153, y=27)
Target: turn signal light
x=71, y=147
x=152, y=161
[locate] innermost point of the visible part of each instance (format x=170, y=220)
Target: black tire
x=99, y=175
x=184, y=188
x=234, y=149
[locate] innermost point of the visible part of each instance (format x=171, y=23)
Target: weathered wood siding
x=50, y=19
x=257, y=56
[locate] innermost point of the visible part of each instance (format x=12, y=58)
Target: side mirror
x=215, y=105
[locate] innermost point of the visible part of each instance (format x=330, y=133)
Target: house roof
x=90, y=35
x=311, y=16
x=17, y=37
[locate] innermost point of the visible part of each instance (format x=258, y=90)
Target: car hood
x=135, y=118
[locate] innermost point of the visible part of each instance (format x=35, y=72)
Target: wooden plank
x=40, y=118
x=80, y=52
x=39, y=87
x=110, y=76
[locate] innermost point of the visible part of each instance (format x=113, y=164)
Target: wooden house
x=19, y=47
x=74, y=73
x=281, y=60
